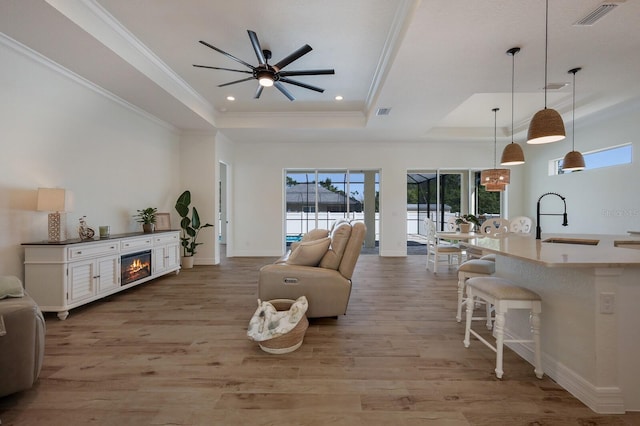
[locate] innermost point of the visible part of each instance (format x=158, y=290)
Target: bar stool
x=469, y=269
x=504, y=295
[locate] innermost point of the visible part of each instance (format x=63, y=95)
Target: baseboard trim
x=601, y=399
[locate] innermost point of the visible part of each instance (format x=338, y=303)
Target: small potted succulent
x=147, y=217
x=466, y=222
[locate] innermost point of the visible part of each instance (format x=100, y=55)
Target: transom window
x=613, y=156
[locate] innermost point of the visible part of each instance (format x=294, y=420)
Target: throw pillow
x=10, y=286
x=339, y=239
x=314, y=234
x=309, y=253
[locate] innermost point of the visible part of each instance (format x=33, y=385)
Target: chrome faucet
x=538, y=214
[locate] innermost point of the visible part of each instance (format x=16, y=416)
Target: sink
x=581, y=241
x=632, y=244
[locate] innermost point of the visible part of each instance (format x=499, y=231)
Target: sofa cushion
x=314, y=234
x=309, y=253
x=339, y=239
x=10, y=286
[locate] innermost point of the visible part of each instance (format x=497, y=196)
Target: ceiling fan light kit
x=546, y=125
x=270, y=75
x=574, y=160
x=512, y=154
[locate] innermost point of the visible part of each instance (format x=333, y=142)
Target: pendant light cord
x=573, y=116
x=495, y=137
x=513, y=72
x=546, y=48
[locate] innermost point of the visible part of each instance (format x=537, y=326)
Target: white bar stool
x=504, y=295
x=469, y=269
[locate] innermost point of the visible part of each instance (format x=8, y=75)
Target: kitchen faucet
x=538, y=214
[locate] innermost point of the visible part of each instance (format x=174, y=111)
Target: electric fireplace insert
x=135, y=266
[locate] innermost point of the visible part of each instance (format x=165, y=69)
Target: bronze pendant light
x=574, y=160
x=512, y=154
x=546, y=125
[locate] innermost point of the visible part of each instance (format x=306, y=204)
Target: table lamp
x=52, y=200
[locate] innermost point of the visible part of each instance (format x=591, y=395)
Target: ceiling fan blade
x=224, y=69
x=283, y=89
x=292, y=57
x=228, y=55
x=258, y=92
x=256, y=47
x=297, y=83
x=306, y=72
x=234, y=82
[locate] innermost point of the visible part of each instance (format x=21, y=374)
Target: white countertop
x=526, y=247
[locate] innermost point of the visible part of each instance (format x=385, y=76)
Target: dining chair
x=521, y=225
x=438, y=251
x=494, y=227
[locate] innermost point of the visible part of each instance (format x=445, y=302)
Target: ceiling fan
x=270, y=75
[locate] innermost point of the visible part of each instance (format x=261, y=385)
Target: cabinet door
x=81, y=281
x=172, y=256
x=158, y=263
x=108, y=273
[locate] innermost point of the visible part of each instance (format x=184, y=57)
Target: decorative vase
x=465, y=228
x=187, y=262
x=147, y=228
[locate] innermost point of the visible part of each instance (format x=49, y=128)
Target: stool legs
x=498, y=330
x=534, y=320
x=461, y=280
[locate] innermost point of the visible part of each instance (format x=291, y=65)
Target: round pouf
x=292, y=340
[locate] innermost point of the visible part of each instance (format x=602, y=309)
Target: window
x=316, y=198
x=614, y=156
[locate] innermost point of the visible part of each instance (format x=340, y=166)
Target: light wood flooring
x=174, y=351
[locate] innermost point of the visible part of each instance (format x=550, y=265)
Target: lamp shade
x=573, y=161
x=51, y=200
x=546, y=127
x=502, y=176
x=512, y=155
x=495, y=187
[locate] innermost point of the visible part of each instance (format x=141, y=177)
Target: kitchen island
x=590, y=290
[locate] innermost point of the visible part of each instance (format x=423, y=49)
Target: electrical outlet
x=607, y=303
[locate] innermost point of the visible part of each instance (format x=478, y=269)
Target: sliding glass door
x=316, y=198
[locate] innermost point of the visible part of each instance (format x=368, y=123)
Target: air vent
x=556, y=86
x=383, y=111
x=596, y=14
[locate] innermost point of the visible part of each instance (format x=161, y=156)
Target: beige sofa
x=319, y=267
x=22, y=330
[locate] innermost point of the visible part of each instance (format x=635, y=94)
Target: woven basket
x=287, y=342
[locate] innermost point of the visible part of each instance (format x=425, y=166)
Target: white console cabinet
x=65, y=275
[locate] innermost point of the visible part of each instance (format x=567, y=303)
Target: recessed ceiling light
x=339, y=98
x=231, y=98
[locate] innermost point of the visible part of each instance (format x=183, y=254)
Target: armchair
x=320, y=269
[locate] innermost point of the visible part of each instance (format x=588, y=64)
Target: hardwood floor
x=174, y=352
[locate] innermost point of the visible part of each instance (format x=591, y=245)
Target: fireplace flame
x=137, y=265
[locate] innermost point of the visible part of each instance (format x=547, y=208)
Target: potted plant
x=191, y=227
x=466, y=222
x=147, y=217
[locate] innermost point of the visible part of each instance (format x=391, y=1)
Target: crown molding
x=70, y=75
x=97, y=21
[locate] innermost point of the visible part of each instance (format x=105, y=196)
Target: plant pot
x=187, y=262
x=465, y=227
x=147, y=228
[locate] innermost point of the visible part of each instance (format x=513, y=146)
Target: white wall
x=258, y=184
x=602, y=200
x=198, y=174
x=59, y=131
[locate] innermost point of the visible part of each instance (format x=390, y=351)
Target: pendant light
x=512, y=154
x=546, y=125
x=495, y=180
x=574, y=160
